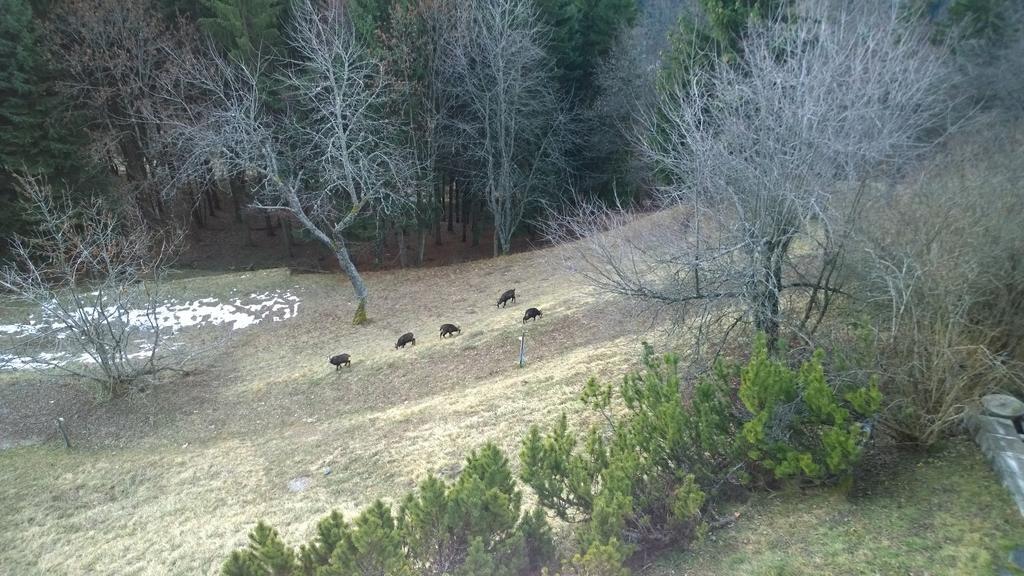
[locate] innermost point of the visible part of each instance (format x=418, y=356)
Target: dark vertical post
x=522, y=349
x=438, y=207
x=63, y=432
x=451, y=205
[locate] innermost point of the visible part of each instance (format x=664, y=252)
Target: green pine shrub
x=599, y=560
x=799, y=426
x=647, y=475
x=666, y=451
x=266, y=555
x=473, y=526
x=445, y=527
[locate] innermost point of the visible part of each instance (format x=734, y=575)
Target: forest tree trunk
x=349, y=268
x=451, y=205
x=379, y=241
x=477, y=228
x=465, y=216
x=197, y=205
x=286, y=224
x=237, y=185
x=768, y=293
x=402, y=258
x=438, y=209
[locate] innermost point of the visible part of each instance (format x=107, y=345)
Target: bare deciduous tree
x=95, y=275
x=115, y=55
x=763, y=160
x=316, y=137
x=507, y=116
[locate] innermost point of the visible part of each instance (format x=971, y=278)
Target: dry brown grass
x=171, y=480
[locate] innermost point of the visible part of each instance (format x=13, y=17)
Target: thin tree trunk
x=237, y=185
x=159, y=203
x=134, y=160
x=422, y=247
x=438, y=209
x=340, y=252
x=402, y=259
x=451, y=205
x=767, y=319
x=349, y=268
x=379, y=240
x=212, y=188
x=477, y=228
x=458, y=201
x=286, y=224
x=422, y=223
x=197, y=206
x=465, y=216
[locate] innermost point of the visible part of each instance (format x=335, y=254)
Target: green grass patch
x=917, y=514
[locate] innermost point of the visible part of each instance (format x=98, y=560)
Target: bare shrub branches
x=95, y=273
x=940, y=269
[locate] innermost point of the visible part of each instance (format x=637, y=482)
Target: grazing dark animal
x=405, y=339
x=506, y=296
x=341, y=360
x=531, y=314
x=449, y=329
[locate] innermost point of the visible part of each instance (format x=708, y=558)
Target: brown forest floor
x=222, y=244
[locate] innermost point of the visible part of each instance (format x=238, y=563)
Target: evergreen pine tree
x=696, y=44
x=245, y=29
x=35, y=138
x=563, y=21
x=581, y=34
x=372, y=19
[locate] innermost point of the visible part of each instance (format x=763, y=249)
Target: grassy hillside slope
x=170, y=480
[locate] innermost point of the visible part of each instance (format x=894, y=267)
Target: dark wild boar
x=449, y=330
x=506, y=296
x=340, y=360
x=406, y=338
x=531, y=314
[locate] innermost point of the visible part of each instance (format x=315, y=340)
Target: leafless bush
x=94, y=273
x=764, y=160
x=943, y=264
